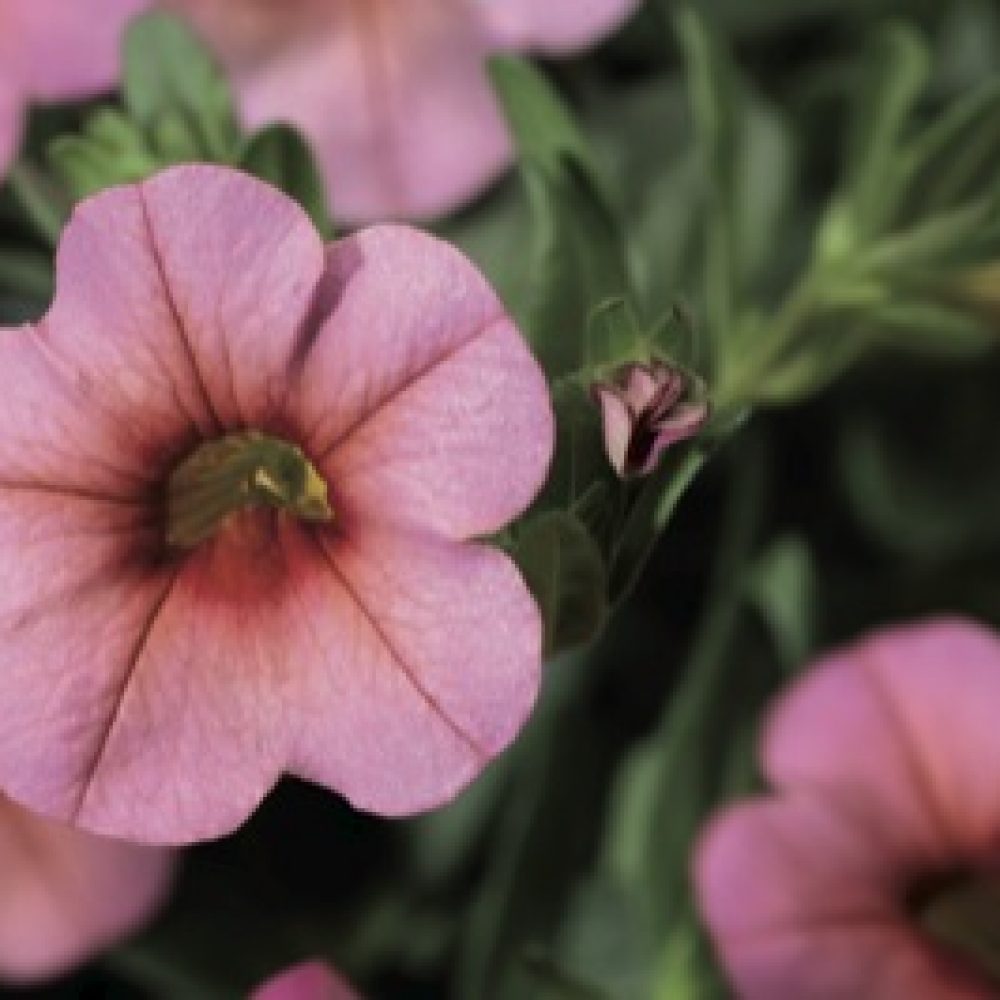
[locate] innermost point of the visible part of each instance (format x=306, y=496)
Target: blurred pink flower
x=392, y=93
x=54, y=50
x=886, y=829
x=67, y=895
x=645, y=409
x=309, y=981
x=157, y=691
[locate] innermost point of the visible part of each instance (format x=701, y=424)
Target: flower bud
x=646, y=408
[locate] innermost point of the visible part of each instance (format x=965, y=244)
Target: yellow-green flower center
x=236, y=472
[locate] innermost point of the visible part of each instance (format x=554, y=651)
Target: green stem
x=738, y=383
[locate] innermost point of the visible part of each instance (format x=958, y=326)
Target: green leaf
x=578, y=257
x=564, y=570
x=782, y=587
x=893, y=77
x=280, y=155
x=716, y=111
x=955, y=157
x=173, y=88
x=544, y=130
x=613, y=334
x=677, y=338
x=110, y=150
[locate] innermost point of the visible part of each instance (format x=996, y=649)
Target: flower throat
x=236, y=472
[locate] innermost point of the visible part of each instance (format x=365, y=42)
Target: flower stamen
x=236, y=472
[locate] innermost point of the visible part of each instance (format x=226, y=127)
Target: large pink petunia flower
x=52, y=50
x=238, y=476
x=873, y=874
x=308, y=981
x=66, y=895
x=392, y=93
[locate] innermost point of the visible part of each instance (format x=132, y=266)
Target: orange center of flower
x=962, y=915
x=235, y=472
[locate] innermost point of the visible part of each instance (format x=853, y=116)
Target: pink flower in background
x=238, y=476
x=54, y=50
x=644, y=410
x=66, y=895
x=872, y=875
x=393, y=94
x=309, y=981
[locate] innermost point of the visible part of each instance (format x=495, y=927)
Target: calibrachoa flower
x=237, y=478
x=874, y=872
x=53, y=50
x=392, y=93
x=645, y=409
x=66, y=895
x=309, y=981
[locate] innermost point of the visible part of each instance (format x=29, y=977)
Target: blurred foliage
x=798, y=201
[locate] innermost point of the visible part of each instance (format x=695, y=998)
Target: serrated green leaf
x=280, y=155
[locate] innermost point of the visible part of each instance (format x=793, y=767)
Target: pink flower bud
x=645, y=410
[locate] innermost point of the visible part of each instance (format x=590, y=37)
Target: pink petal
x=65, y=49
x=309, y=981
x=903, y=724
x=393, y=96
x=10, y=124
x=443, y=417
x=178, y=304
x=555, y=26
x=684, y=422
x=159, y=697
x=144, y=696
x=241, y=264
x=800, y=899
x=419, y=661
x=67, y=895
x=617, y=424
x=640, y=387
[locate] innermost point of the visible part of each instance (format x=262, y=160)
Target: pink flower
x=67, y=895
x=862, y=878
x=393, y=95
x=54, y=50
x=646, y=409
x=238, y=476
x=309, y=981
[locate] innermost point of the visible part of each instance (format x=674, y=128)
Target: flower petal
x=419, y=662
x=800, y=900
x=78, y=590
x=178, y=306
x=395, y=100
x=309, y=981
x=67, y=895
x=617, y=424
x=443, y=417
x=904, y=724
x=64, y=50
x=10, y=124
x=241, y=263
x=555, y=26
